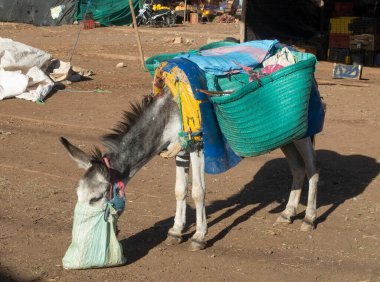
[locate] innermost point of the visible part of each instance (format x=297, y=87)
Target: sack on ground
x=94, y=243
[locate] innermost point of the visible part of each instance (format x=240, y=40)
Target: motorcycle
x=155, y=15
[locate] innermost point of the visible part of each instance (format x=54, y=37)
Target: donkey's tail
x=312, y=138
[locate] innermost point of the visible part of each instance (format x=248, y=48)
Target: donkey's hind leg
x=306, y=149
x=297, y=168
x=182, y=176
x=198, y=194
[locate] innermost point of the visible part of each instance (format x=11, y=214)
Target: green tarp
x=108, y=12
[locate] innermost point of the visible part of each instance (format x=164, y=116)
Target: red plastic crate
x=338, y=40
x=87, y=24
x=342, y=9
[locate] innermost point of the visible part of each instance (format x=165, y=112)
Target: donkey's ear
x=80, y=157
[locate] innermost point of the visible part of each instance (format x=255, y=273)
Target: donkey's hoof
x=197, y=245
x=173, y=240
x=307, y=225
x=282, y=219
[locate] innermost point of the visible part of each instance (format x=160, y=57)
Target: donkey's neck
x=155, y=129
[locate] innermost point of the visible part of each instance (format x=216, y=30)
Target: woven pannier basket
x=267, y=113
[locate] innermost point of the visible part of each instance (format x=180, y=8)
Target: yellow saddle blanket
x=177, y=82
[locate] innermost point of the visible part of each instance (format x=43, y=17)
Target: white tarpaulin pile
x=30, y=73
x=21, y=71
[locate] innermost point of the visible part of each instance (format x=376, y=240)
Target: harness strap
x=114, y=186
x=106, y=160
x=179, y=102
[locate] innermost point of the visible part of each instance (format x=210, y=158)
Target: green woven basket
x=217, y=44
x=153, y=62
x=268, y=113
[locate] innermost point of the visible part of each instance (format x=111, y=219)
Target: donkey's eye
x=94, y=200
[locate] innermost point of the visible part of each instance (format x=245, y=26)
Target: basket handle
x=212, y=93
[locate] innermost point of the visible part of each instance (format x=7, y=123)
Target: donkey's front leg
x=198, y=194
x=182, y=176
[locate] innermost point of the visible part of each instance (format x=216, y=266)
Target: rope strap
x=116, y=193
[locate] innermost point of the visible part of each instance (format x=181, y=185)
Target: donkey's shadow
x=138, y=245
x=341, y=178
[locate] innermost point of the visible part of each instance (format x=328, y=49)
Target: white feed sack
x=94, y=243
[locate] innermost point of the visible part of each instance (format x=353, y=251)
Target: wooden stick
x=343, y=83
x=184, y=16
x=244, y=8
x=137, y=34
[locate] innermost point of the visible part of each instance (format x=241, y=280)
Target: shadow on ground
x=6, y=276
x=138, y=245
x=341, y=178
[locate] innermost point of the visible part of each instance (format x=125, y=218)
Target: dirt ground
x=37, y=177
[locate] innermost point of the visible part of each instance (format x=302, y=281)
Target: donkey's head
x=92, y=187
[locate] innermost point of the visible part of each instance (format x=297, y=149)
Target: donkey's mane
x=97, y=164
x=128, y=120
x=96, y=156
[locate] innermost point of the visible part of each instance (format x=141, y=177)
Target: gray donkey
x=152, y=126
